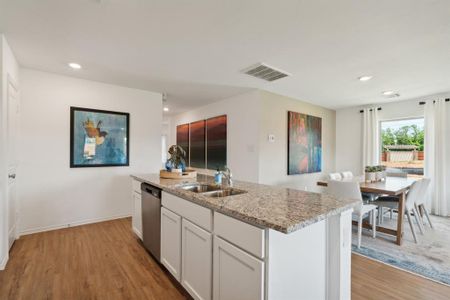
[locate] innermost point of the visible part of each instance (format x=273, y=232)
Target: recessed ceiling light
x=166, y=109
x=388, y=93
x=75, y=66
x=365, y=78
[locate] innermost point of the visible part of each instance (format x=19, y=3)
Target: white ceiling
x=194, y=50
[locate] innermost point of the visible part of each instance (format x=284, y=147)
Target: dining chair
x=347, y=174
x=351, y=189
x=413, y=195
x=421, y=201
x=367, y=197
x=390, y=172
x=335, y=176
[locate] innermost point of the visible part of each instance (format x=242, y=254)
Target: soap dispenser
x=218, y=177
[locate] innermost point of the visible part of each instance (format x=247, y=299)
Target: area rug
x=430, y=257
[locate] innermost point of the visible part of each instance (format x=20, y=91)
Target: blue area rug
x=426, y=271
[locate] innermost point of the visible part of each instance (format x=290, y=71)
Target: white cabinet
x=196, y=270
x=136, y=218
x=237, y=275
x=171, y=242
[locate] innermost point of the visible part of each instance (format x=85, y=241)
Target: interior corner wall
x=53, y=195
x=9, y=69
x=273, y=155
x=243, y=112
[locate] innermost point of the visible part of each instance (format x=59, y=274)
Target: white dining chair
x=421, y=200
x=351, y=189
x=335, y=176
x=347, y=174
x=410, y=208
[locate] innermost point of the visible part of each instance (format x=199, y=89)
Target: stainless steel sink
x=211, y=190
x=200, y=187
x=224, y=193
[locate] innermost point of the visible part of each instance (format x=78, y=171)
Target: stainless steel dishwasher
x=151, y=219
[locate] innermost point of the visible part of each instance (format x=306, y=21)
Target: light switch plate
x=271, y=138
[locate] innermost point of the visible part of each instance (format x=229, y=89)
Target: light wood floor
x=105, y=261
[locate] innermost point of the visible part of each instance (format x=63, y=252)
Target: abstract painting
x=183, y=139
x=198, y=144
x=304, y=143
x=98, y=138
x=216, y=142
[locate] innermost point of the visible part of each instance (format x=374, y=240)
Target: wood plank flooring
x=106, y=261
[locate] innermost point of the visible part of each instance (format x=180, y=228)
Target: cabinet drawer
x=243, y=235
x=136, y=186
x=197, y=214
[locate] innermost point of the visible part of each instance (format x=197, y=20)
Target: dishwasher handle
x=149, y=189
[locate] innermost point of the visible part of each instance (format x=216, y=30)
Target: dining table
x=390, y=186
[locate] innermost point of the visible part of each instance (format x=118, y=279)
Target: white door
x=237, y=274
x=11, y=158
x=171, y=242
x=196, y=258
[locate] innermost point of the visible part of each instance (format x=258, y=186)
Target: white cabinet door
x=171, y=242
x=237, y=275
x=196, y=270
x=136, y=219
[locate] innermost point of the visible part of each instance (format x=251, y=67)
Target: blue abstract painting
x=98, y=138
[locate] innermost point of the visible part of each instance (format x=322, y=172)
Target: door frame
x=4, y=168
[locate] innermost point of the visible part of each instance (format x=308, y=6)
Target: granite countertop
x=282, y=209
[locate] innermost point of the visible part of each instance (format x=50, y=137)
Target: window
x=402, y=145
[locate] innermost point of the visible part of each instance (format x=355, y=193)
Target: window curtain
x=436, y=162
x=371, y=156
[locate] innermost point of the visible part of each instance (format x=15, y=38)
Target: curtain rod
x=362, y=110
x=423, y=102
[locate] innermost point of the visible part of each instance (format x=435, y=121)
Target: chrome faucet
x=228, y=176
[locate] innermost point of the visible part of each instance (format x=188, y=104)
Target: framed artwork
x=304, y=143
x=183, y=139
x=99, y=138
x=198, y=144
x=216, y=142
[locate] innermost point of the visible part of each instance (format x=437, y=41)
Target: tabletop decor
x=98, y=138
x=375, y=173
x=177, y=160
x=304, y=143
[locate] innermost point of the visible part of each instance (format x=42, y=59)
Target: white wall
x=51, y=193
x=9, y=68
x=273, y=156
x=251, y=117
x=242, y=129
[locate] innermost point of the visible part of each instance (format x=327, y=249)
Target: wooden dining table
x=391, y=186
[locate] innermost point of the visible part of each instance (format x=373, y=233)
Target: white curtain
x=371, y=156
x=436, y=162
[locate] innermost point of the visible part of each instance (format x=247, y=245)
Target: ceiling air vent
x=263, y=71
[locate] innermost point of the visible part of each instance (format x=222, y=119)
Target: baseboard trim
x=4, y=262
x=137, y=232
x=72, y=224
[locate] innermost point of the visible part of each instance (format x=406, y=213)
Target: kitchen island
x=265, y=242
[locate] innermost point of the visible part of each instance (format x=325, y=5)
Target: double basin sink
x=210, y=190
